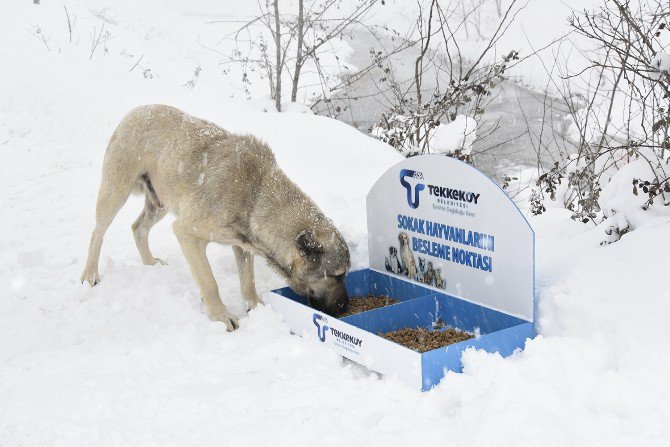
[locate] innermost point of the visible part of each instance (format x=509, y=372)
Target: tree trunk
x=278, y=66
x=298, y=57
x=418, y=72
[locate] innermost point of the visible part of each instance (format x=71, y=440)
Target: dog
x=422, y=275
x=429, y=275
x=408, y=264
x=223, y=188
x=422, y=270
x=439, y=282
x=392, y=262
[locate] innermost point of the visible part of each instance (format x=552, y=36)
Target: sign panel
x=442, y=223
x=349, y=341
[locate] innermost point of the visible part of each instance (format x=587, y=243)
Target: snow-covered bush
x=455, y=137
x=396, y=130
x=617, y=163
x=442, y=119
x=447, y=123
x=627, y=208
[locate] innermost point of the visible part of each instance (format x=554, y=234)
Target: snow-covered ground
x=135, y=361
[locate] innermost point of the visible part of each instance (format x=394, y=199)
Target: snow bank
x=456, y=135
x=135, y=361
x=266, y=104
x=623, y=209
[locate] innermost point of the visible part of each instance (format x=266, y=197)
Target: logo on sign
x=321, y=328
x=412, y=200
x=342, y=339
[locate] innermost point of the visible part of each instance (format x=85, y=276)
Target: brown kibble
x=358, y=304
x=423, y=340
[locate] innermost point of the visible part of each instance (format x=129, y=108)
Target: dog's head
x=319, y=269
x=404, y=239
x=393, y=251
x=422, y=264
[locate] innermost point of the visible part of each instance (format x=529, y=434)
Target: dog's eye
x=337, y=277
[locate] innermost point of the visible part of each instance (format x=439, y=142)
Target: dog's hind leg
x=194, y=249
x=245, y=270
x=153, y=212
x=114, y=191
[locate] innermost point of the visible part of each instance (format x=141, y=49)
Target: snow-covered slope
x=135, y=361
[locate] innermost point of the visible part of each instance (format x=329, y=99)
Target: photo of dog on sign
x=401, y=262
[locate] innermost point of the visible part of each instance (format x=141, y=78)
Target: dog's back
x=184, y=158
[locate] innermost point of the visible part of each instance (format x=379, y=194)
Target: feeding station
x=454, y=251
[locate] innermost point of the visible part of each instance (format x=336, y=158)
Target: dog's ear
x=307, y=244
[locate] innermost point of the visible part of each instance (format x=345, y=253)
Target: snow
x=135, y=361
x=536, y=25
x=266, y=104
x=626, y=211
x=458, y=134
x=662, y=61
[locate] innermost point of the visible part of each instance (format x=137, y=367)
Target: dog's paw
x=251, y=304
x=91, y=277
x=159, y=261
x=226, y=318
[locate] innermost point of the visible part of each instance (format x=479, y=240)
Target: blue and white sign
x=442, y=223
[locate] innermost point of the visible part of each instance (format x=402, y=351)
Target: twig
x=69, y=23
x=136, y=63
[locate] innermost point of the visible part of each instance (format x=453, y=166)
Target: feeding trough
x=456, y=254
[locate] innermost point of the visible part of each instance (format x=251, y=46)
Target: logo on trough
x=321, y=328
x=412, y=201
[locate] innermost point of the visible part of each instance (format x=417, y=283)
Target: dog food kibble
x=358, y=304
x=423, y=340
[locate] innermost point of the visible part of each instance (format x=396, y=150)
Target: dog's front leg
x=194, y=249
x=245, y=270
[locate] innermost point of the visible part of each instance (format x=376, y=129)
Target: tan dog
x=223, y=188
x=408, y=264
